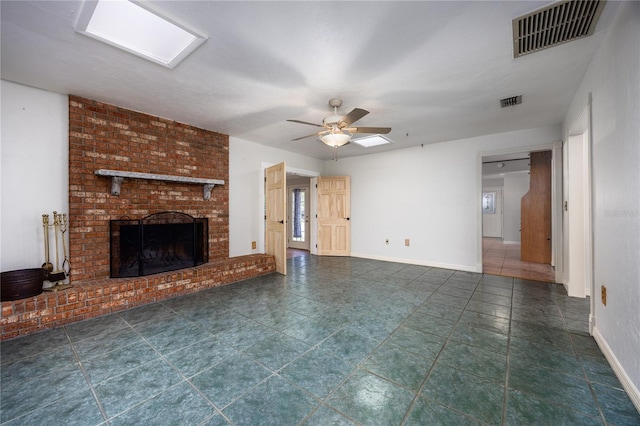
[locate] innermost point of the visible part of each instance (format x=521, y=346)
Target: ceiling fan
x=337, y=130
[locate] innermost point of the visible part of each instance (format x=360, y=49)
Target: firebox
x=160, y=242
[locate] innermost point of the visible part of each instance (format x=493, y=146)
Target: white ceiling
x=431, y=70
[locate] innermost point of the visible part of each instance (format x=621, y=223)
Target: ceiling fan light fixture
x=337, y=131
x=335, y=139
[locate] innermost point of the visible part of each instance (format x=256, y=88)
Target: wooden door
x=275, y=215
x=535, y=213
x=334, y=216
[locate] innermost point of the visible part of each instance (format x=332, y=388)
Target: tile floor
x=338, y=341
x=504, y=259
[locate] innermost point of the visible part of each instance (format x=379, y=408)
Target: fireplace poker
x=63, y=229
x=56, y=224
x=47, y=266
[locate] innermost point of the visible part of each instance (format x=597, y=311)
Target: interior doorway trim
x=581, y=128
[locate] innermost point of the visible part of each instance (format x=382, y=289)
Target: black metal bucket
x=21, y=283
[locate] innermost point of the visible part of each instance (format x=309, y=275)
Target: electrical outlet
x=386, y=241
x=603, y=291
x=253, y=245
x=406, y=242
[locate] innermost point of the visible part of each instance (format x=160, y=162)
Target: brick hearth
x=92, y=298
x=103, y=136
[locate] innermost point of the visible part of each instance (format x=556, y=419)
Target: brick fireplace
x=103, y=136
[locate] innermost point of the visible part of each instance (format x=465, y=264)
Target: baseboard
x=516, y=243
x=464, y=268
x=627, y=384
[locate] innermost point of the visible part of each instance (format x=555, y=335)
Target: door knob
x=281, y=221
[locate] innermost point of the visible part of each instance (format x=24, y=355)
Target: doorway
x=505, y=179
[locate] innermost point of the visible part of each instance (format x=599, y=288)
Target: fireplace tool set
x=59, y=274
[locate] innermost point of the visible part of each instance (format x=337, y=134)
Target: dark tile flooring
x=338, y=341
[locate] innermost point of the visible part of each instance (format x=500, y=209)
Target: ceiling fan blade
x=304, y=137
x=379, y=130
x=306, y=122
x=355, y=115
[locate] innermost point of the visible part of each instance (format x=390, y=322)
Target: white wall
x=246, y=199
x=430, y=195
x=34, y=154
x=613, y=79
x=486, y=182
x=515, y=186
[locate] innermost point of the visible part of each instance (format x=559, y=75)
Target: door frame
x=581, y=127
x=261, y=197
x=556, y=200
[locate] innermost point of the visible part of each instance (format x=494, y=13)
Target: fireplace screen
x=158, y=243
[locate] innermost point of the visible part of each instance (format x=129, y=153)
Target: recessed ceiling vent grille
x=558, y=23
x=514, y=100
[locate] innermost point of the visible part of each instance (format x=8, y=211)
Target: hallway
x=504, y=259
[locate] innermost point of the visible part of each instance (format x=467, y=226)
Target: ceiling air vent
x=558, y=23
x=514, y=100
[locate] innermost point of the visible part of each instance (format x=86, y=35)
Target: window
x=489, y=203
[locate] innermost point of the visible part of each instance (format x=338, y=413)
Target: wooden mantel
x=117, y=177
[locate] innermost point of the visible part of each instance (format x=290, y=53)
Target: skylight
x=133, y=27
x=374, y=140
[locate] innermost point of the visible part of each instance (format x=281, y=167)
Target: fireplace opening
x=160, y=242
